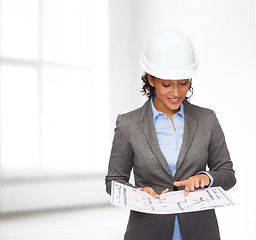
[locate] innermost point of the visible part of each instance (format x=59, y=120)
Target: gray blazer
x=135, y=146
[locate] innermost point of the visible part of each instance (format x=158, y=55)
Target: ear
x=151, y=80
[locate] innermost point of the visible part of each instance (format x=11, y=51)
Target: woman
x=169, y=143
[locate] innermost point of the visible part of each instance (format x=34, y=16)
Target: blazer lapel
x=147, y=125
x=190, y=128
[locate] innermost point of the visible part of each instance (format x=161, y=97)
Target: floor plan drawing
x=171, y=202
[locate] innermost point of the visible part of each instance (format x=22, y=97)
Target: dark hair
x=149, y=91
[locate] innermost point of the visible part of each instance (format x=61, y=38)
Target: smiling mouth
x=174, y=100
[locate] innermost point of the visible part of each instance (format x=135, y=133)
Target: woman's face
x=169, y=94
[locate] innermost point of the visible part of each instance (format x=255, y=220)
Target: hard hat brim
x=170, y=74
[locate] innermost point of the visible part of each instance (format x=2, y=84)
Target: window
x=51, y=117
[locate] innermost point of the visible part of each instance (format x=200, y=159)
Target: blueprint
x=171, y=202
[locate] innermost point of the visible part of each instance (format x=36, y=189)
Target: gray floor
x=100, y=223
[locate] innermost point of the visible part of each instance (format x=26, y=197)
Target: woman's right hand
x=152, y=193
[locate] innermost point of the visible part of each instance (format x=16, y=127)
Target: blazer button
x=175, y=188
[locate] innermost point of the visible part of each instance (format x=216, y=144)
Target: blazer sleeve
x=121, y=157
x=219, y=162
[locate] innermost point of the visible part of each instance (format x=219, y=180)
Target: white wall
x=121, y=76
x=223, y=33
x=52, y=192
x=21, y=192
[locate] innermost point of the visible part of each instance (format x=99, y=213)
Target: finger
x=204, y=180
x=186, y=191
x=207, y=181
x=180, y=183
x=151, y=192
x=165, y=191
x=190, y=187
x=202, y=183
x=197, y=185
x=154, y=194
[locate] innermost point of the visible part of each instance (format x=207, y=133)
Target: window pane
x=19, y=117
x=65, y=120
x=65, y=31
x=19, y=28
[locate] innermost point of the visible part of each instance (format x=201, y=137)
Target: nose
x=175, y=90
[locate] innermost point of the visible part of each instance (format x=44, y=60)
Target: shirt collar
x=156, y=113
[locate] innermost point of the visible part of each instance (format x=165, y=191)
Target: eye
x=184, y=83
x=166, y=85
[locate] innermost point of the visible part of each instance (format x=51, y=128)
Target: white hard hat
x=170, y=55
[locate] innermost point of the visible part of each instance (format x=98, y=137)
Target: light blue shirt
x=169, y=140
x=170, y=143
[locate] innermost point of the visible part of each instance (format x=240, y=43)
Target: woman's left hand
x=194, y=182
